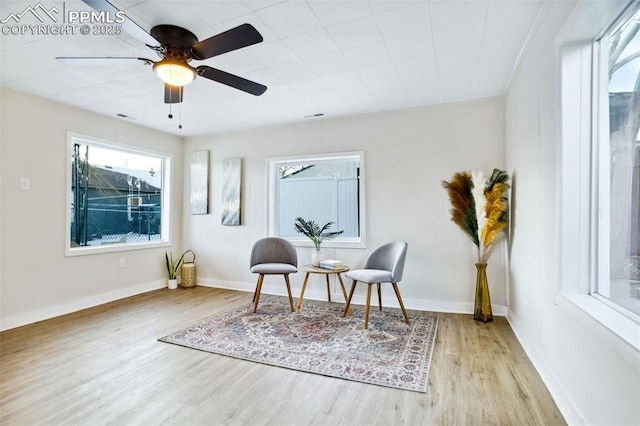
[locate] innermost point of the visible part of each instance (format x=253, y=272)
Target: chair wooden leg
x=256, y=295
x=344, y=292
x=366, y=310
x=286, y=280
x=404, y=312
x=346, y=308
x=379, y=297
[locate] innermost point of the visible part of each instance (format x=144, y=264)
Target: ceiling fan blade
x=231, y=80
x=128, y=25
x=173, y=94
x=235, y=38
x=102, y=61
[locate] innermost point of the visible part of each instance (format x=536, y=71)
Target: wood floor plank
x=104, y=366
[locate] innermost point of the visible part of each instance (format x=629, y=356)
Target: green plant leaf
x=314, y=232
x=172, y=267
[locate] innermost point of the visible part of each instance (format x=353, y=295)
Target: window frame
x=580, y=199
x=601, y=152
x=165, y=199
x=272, y=166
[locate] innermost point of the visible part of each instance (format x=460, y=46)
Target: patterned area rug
x=318, y=340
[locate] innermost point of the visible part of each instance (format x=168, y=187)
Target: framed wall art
x=199, y=198
x=231, y=191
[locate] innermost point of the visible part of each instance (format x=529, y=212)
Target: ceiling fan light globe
x=173, y=73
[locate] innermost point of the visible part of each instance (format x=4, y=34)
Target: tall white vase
x=316, y=257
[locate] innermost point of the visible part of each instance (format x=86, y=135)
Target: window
x=593, y=290
x=324, y=188
x=117, y=197
x=616, y=152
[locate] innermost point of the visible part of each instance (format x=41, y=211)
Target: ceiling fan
x=177, y=47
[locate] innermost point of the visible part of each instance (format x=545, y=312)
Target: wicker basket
x=189, y=276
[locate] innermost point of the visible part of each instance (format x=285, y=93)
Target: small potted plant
x=172, y=269
x=316, y=234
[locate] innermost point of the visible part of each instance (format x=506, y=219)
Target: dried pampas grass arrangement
x=479, y=206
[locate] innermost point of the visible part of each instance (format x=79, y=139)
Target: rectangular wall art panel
x=231, y=191
x=200, y=182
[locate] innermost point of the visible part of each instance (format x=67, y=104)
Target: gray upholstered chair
x=383, y=265
x=273, y=256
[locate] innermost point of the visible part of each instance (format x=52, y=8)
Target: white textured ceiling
x=326, y=57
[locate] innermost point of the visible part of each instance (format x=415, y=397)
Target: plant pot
x=316, y=257
x=482, y=309
x=172, y=283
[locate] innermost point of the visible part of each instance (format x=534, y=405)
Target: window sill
x=620, y=333
x=343, y=243
x=112, y=248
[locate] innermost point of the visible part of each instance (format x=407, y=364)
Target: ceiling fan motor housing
x=173, y=35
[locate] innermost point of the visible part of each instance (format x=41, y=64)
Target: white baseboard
x=228, y=285
x=568, y=410
x=312, y=293
x=10, y=322
x=318, y=292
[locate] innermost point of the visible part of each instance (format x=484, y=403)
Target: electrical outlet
x=25, y=184
x=123, y=262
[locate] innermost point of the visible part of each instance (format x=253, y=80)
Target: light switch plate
x=25, y=184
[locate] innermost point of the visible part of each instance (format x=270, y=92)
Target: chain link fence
x=117, y=219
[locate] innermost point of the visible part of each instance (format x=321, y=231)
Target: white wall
x=591, y=382
x=37, y=280
x=407, y=153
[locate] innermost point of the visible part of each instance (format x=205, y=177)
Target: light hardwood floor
x=104, y=366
